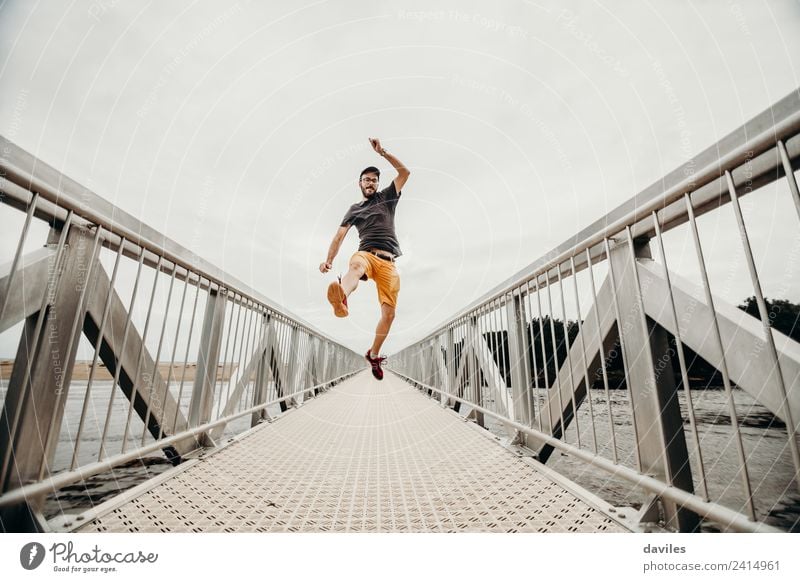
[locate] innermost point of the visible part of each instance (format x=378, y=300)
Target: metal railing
x=658, y=391
x=177, y=355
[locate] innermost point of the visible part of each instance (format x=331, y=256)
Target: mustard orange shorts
x=383, y=273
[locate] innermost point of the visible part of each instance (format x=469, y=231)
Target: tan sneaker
x=338, y=298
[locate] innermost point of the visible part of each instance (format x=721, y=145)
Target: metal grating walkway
x=368, y=456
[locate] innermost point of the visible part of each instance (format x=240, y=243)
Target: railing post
x=657, y=420
x=518, y=350
x=473, y=369
x=290, y=386
x=325, y=358
x=263, y=373
x=313, y=367
x=450, y=365
x=39, y=382
x=205, y=379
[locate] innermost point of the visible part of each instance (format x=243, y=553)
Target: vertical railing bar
x=246, y=328
x=537, y=406
x=280, y=377
x=590, y=269
x=232, y=299
x=789, y=171
x=681, y=359
x=544, y=357
x=273, y=329
x=161, y=426
x=588, y=387
x=501, y=360
x=497, y=327
x=23, y=237
x=501, y=363
x=186, y=357
x=93, y=367
x=261, y=329
x=118, y=357
x=469, y=369
x=521, y=317
x=477, y=388
x=507, y=385
x=648, y=354
x=285, y=356
x=258, y=325
x=465, y=353
x=791, y=429
x=233, y=353
x=568, y=357
x=72, y=336
x=556, y=366
x=157, y=357
x=724, y=365
x=280, y=354
x=306, y=359
x=625, y=366
x=53, y=281
x=258, y=334
x=142, y=350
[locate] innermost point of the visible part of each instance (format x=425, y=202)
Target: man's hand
x=325, y=267
x=402, y=172
x=376, y=145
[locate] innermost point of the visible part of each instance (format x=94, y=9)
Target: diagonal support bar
x=148, y=391
x=30, y=284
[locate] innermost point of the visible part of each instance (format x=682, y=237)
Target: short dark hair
x=370, y=170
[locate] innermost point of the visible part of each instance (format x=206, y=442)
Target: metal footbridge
x=601, y=389
x=368, y=457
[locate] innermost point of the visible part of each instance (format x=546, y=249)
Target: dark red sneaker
x=377, y=371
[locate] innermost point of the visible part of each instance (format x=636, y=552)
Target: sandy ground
x=81, y=370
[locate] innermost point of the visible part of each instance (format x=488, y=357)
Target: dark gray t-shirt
x=374, y=220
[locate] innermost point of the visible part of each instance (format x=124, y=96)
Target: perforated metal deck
x=367, y=457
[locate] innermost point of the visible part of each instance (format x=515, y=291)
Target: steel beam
x=29, y=285
x=263, y=374
x=147, y=390
x=39, y=381
x=654, y=398
x=242, y=377
x=594, y=339
x=205, y=379
x=755, y=374
x=518, y=350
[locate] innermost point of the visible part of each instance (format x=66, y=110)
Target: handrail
x=211, y=352
x=31, y=174
x=645, y=339
x=778, y=122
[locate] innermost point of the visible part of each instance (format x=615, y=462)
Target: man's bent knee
x=358, y=267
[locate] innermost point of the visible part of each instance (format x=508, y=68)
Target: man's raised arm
x=334, y=249
x=402, y=172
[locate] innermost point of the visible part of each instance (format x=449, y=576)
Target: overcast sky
x=239, y=129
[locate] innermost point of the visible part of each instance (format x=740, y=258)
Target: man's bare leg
x=351, y=278
x=387, y=317
x=338, y=292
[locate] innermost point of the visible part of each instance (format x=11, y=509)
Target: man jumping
x=373, y=217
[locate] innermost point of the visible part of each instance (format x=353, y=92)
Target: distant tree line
x=548, y=349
